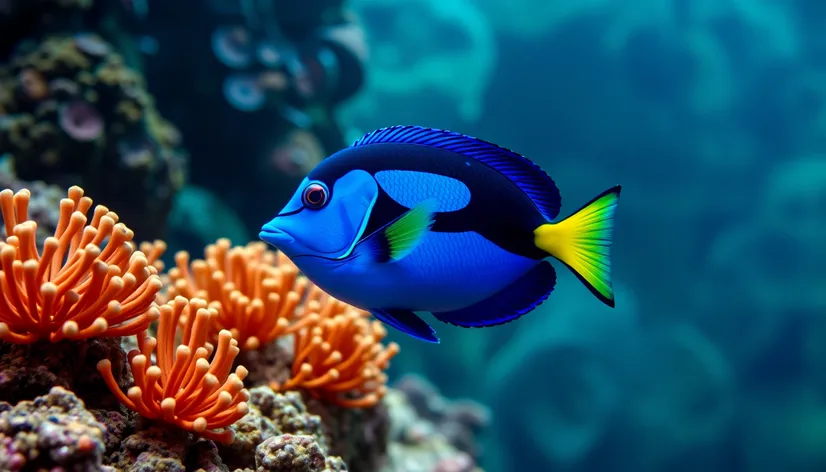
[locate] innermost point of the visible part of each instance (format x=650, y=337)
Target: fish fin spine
x=583, y=242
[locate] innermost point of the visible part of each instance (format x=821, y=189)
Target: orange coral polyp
x=184, y=388
x=73, y=289
x=255, y=291
x=338, y=354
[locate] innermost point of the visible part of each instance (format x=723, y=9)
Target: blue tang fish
x=412, y=219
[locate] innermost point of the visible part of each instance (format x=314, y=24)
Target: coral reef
x=67, y=303
x=74, y=113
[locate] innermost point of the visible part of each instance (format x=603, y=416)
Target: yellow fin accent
x=583, y=242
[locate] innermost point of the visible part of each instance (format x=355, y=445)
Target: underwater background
x=195, y=120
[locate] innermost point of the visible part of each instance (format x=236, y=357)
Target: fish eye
x=315, y=195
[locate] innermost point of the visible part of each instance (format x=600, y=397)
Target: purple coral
x=244, y=92
x=232, y=46
x=81, y=121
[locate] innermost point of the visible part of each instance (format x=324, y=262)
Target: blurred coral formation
x=75, y=113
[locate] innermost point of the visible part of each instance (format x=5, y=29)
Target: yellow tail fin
x=583, y=242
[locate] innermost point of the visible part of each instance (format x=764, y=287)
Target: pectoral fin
x=397, y=239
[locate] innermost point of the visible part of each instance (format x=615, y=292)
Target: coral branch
x=255, y=291
x=88, y=280
x=183, y=388
x=339, y=357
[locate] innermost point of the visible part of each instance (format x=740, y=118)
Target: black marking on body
x=498, y=210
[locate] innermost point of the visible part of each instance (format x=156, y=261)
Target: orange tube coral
x=338, y=354
x=183, y=388
x=255, y=291
x=88, y=281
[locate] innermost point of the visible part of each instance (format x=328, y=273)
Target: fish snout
x=271, y=234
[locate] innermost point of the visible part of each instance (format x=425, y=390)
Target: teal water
x=710, y=113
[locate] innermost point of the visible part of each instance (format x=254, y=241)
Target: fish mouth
x=275, y=236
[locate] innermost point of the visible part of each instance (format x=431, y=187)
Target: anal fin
x=407, y=322
x=508, y=304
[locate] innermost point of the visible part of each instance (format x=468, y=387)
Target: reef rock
x=53, y=432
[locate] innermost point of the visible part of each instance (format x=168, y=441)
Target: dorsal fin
x=518, y=169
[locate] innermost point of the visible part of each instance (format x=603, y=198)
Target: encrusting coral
x=51, y=432
x=73, y=111
x=289, y=452
x=73, y=289
x=339, y=354
x=255, y=291
x=184, y=388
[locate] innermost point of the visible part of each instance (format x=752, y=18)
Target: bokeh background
x=197, y=118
